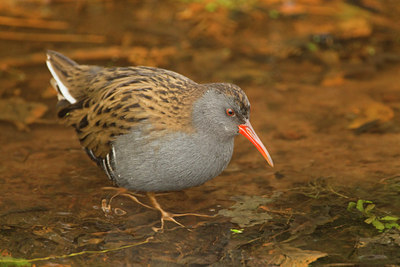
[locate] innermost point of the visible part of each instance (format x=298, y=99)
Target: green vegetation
x=10, y=261
x=213, y=5
x=368, y=211
x=237, y=231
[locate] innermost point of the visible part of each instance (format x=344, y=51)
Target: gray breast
x=174, y=162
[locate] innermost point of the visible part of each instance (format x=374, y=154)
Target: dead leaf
x=308, y=223
x=354, y=28
x=287, y=256
x=391, y=237
x=245, y=211
x=20, y=112
x=333, y=79
x=50, y=234
x=369, y=112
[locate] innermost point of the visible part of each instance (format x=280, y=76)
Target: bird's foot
x=106, y=206
x=165, y=215
x=168, y=216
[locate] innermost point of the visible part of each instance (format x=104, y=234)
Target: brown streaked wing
x=120, y=99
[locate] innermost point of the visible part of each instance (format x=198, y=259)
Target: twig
x=33, y=23
x=101, y=53
x=52, y=37
x=383, y=180
x=335, y=192
x=85, y=252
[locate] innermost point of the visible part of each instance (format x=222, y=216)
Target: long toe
x=168, y=216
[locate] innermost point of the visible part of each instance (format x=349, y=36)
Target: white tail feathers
x=62, y=89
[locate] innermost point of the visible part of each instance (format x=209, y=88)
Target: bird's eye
x=230, y=112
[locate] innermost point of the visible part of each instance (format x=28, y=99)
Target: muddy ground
x=323, y=81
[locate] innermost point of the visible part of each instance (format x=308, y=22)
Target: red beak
x=247, y=130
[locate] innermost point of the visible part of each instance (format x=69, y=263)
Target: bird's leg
x=137, y=200
x=106, y=207
x=167, y=216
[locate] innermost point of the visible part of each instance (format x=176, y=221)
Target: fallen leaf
x=245, y=211
x=306, y=224
x=20, y=112
x=49, y=234
x=354, y=28
x=369, y=112
x=391, y=237
x=333, y=79
x=287, y=256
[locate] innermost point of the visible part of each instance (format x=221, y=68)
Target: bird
x=151, y=129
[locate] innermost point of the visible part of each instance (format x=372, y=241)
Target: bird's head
x=224, y=111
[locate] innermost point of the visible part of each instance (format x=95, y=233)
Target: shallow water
x=325, y=105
